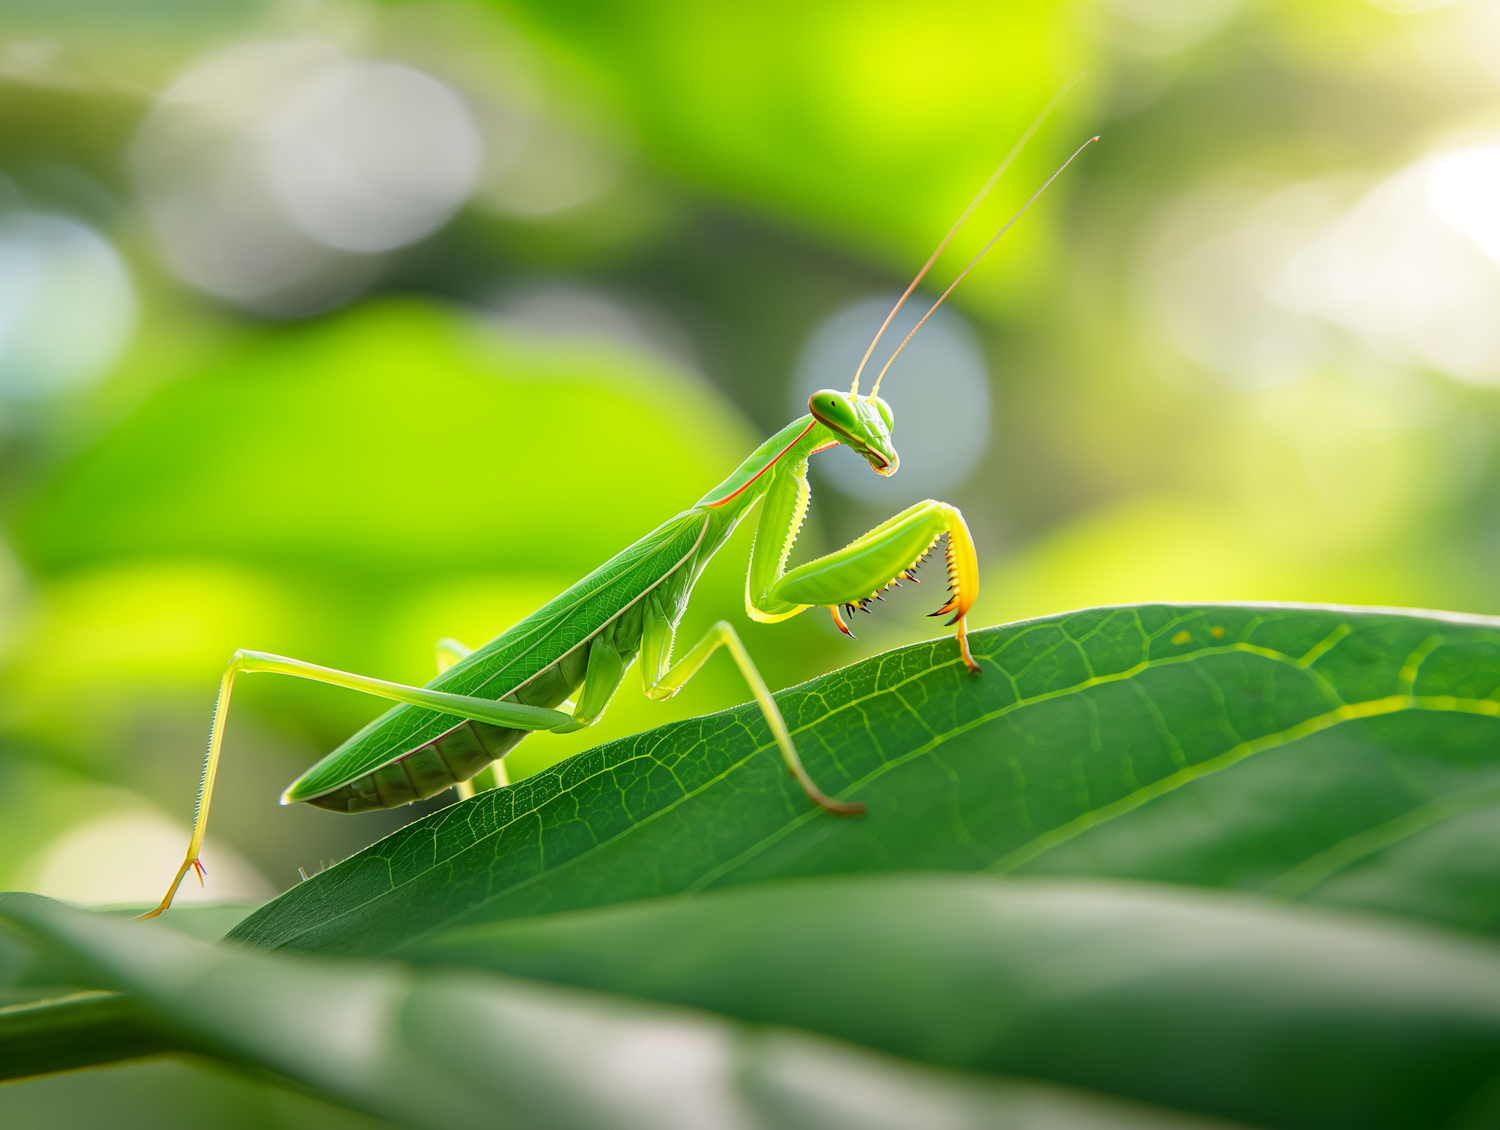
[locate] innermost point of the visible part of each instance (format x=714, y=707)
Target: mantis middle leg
x=661, y=679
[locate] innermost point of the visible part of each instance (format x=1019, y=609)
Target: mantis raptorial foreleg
x=857, y=573
x=515, y=715
x=661, y=679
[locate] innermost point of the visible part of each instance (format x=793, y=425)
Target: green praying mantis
x=580, y=645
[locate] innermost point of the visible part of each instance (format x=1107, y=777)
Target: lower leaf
x=1224, y=1004
x=467, y=1050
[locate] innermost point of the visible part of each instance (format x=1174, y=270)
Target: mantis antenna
x=875, y=389
x=1015, y=151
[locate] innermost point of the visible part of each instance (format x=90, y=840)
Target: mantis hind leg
x=513, y=715
x=448, y=652
x=662, y=679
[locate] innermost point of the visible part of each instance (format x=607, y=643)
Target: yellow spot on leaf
x=1182, y=637
x=1218, y=633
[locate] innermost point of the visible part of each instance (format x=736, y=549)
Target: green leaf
x=1336, y=755
x=453, y=1051
x=82, y=1029
x=1197, y=1000
x=53, y=1016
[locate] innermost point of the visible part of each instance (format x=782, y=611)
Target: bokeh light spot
x=1264, y=288
x=274, y=173
x=67, y=306
x=369, y=156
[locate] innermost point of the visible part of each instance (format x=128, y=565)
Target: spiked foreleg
x=781, y=517
x=856, y=574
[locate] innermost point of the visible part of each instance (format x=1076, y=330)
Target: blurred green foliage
x=1188, y=402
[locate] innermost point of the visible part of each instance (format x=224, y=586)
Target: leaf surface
x=82, y=1029
x=1328, y=754
x=55, y=1017
x=469, y=1050
x=1222, y=1003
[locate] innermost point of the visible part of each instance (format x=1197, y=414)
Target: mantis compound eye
x=834, y=409
x=862, y=425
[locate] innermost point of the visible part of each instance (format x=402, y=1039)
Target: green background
x=352, y=483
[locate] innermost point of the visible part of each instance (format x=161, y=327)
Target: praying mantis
x=580, y=645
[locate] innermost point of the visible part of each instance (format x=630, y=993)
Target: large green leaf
x=1321, y=753
x=460, y=1050
x=1197, y=1000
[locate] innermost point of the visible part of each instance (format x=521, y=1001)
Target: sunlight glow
x=1463, y=190
x=1262, y=289
x=127, y=857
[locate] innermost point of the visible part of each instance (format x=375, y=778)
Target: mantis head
x=861, y=422
x=864, y=422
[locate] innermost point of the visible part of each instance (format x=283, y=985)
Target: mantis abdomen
x=471, y=746
x=458, y=755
